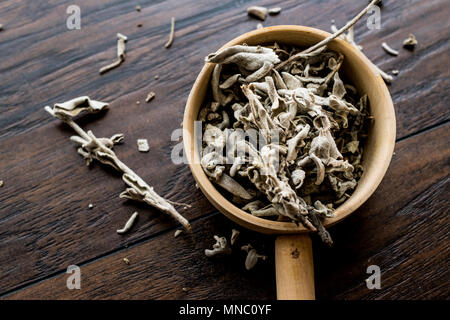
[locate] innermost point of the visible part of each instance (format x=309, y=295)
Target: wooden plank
x=161, y=266
x=44, y=62
x=413, y=264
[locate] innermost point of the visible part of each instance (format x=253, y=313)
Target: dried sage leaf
x=410, y=42
x=177, y=233
x=388, y=49
x=121, y=39
x=221, y=247
x=257, y=12
x=234, y=235
x=128, y=224
x=100, y=149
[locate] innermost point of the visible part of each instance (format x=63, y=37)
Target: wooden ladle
x=293, y=252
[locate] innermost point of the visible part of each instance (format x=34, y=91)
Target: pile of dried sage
x=283, y=133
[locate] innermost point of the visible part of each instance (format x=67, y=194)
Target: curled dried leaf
x=274, y=11
x=255, y=60
x=388, y=49
x=234, y=235
x=77, y=106
x=172, y=33
x=410, y=42
x=221, y=247
x=128, y=224
x=252, y=259
x=257, y=12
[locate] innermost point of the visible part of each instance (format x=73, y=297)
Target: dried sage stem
x=121, y=39
x=172, y=33
x=100, y=149
x=252, y=259
x=330, y=38
x=177, y=233
x=128, y=224
x=274, y=11
x=388, y=49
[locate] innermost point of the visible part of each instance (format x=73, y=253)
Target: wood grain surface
x=45, y=223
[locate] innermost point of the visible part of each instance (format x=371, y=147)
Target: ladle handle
x=294, y=267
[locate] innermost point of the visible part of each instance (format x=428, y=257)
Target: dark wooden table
x=45, y=223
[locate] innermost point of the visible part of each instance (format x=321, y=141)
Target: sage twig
x=388, y=49
x=327, y=40
x=128, y=224
x=100, y=149
x=172, y=33
x=121, y=39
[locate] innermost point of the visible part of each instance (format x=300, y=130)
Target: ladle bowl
x=293, y=252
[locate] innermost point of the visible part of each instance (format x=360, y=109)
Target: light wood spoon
x=293, y=252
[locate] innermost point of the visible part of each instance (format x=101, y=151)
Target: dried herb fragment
x=138, y=8
x=177, y=233
x=221, y=247
x=121, y=39
x=234, y=235
x=100, y=149
x=410, y=42
x=1, y=183
x=126, y=261
x=172, y=33
x=150, y=96
x=388, y=49
x=252, y=259
x=257, y=12
x=128, y=224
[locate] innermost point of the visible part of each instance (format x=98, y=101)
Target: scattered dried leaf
x=143, y=145
x=172, y=33
x=257, y=12
x=128, y=224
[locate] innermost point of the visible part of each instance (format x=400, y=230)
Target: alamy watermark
x=74, y=280
x=374, y=18
x=73, y=21
x=374, y=281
